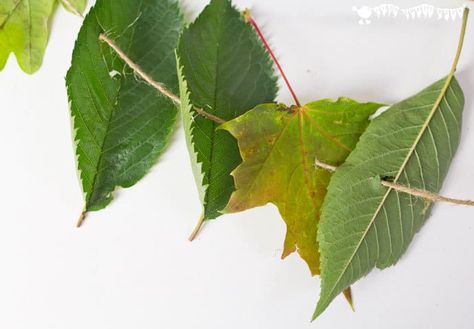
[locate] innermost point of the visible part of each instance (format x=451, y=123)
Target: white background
x=131, y=266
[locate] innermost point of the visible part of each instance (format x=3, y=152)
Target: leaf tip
x=319, y=310
x=348, y=295
x=288, y=250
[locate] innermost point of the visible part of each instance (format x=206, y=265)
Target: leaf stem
x=443, y=91
x=71, y=7
x=461, y=41
x=252, y=22
x=198, y=227
x=158, y=86
x=81, y=219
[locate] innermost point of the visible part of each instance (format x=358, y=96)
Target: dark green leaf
x=122, y=124
x=225, y=71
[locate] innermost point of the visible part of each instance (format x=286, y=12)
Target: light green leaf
x=121, y=123
x=366, y=225
x=225, y=71
x=24, y=30
x=279, y=146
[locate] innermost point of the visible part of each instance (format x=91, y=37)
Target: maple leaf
x=279, y=146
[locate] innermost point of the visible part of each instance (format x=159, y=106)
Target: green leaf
x=366, y=225
x=225, y=71
x=121, y=123
x=279, y=146
x=24, y=30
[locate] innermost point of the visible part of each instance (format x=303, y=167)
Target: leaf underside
x=366, y=225
x=226, y=71
x=279, y=146
x=121, y=123
x=24, y=30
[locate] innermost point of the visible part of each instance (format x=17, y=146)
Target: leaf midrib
x=307, y=181
x=214, y=106
x=110, y=118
